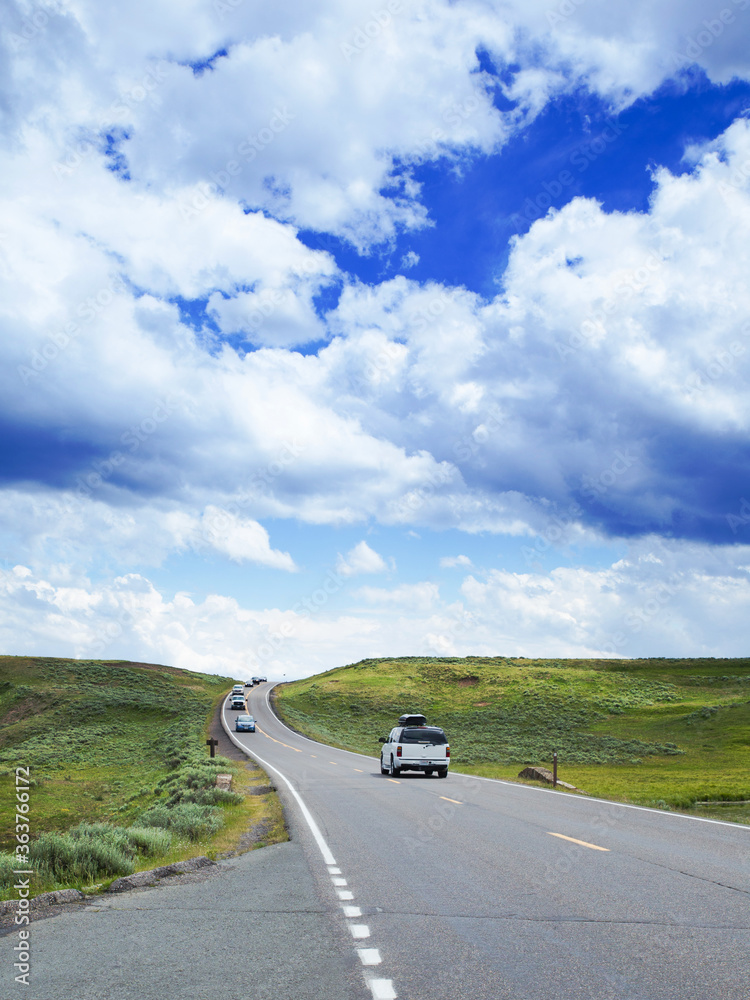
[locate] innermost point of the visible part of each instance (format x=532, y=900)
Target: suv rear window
x=423, y=734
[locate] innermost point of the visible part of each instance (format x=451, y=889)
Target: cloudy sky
x=339, y=329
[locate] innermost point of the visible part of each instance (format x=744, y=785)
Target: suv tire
x=442, y=772
x=395, y=771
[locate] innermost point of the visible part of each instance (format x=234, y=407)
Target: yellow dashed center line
x=333, y=762
x=454, y=801
x=359, y=770
x=393, y=781
x=583, y=843
x=278, y=741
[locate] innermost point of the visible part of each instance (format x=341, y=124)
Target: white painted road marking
x=325, y=850
x=513, y=784
x=369, y=956
x=382, y=989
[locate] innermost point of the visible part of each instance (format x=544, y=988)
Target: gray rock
x=140, y=879
x=542, y=774
x=537, y=774
x=44, y=899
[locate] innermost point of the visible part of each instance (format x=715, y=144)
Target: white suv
x=415, y=746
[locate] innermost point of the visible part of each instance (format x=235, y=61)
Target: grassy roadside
x=121, y=780
x=667, y=733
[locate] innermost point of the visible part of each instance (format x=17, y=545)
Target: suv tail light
x=447, y=752
x=398, y=751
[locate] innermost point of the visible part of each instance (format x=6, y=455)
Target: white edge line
x=609, y=802
x=314, y=829
x=307, y=738
x=529, y=788
x=382, y=989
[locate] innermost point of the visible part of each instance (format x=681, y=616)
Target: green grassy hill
x=666, y=732
x=120, y=744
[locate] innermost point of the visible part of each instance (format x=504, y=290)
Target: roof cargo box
x=412, y=720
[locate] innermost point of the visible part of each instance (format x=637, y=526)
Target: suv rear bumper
x=420, y=765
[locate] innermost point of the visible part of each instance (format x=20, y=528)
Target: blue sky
x=336, y=332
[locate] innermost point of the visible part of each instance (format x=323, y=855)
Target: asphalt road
x=477, y=889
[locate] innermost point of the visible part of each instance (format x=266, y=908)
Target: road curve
x=467, y=887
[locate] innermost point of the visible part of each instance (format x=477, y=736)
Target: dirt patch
x=22, y=710
x=226, y=748
x=480, y=704
x=144, y=666
x=248, y=840
x=466, y=682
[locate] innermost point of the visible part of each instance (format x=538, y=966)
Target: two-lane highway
x=466, y=887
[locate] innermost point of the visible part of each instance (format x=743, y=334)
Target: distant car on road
x=258, y=680
x=248, y=684
x=244, y=724
x=238, y=689
x=415, y=746
x=237, y=701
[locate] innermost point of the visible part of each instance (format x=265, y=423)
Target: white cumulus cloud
x=360, y=559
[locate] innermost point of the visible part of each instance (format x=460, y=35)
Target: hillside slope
x=122, y=744
x=666, y=732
